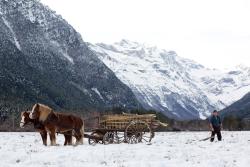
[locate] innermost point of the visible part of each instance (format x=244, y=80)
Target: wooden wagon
x=127, y=128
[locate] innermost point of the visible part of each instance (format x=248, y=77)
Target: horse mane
x=44, y=106
x=44, y=111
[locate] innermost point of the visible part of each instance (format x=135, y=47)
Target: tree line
x=10, y=119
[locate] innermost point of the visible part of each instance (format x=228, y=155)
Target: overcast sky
x=215, y=33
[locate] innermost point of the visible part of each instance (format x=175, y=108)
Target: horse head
x=25, y=118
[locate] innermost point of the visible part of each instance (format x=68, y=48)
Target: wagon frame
x=124, y=128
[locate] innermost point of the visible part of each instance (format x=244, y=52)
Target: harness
x=25, y=123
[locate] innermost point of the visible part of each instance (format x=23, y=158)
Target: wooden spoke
x=108, y=138
x=93, y=141
x=138, y=131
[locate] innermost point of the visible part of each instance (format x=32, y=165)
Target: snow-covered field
x=181, y=149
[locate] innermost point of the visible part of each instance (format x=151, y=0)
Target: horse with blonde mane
x=25, y=120
x=55, y=122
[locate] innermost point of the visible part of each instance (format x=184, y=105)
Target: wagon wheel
x=95, y=141
x=111, y=138
x=138, y=131
x=119, y=137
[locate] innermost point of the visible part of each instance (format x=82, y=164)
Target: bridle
x=25, y=123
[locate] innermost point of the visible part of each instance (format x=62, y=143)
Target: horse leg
x=44, y=137
x=52, y=135
x=76, y=135
x=79, y=136
x=68, y=139
x=65, y=140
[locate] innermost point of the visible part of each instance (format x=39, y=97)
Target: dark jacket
x=215, y=121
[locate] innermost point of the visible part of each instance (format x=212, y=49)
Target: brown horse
x=41, y=129
x=58, y=122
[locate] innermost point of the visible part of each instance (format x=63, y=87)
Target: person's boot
x=219, y=136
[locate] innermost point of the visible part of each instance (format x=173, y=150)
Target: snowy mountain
x=240, y=108
x=43, y=59
x=178, y=87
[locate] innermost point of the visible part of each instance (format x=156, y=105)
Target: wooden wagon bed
x=128, y=128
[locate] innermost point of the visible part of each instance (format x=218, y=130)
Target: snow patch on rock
x=97, y=92
x=12, y=32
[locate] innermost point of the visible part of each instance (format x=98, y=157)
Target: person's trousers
x=216, y=132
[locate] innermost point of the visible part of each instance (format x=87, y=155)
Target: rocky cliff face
x=43, y=59
x=178, y=87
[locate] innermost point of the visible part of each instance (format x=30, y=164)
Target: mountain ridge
x=240, y=108
x=43, y=59
x=178, y=87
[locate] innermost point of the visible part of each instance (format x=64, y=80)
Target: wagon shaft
x=156, y=123
x=93, y=137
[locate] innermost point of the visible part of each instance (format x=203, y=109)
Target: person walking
x=215, y=125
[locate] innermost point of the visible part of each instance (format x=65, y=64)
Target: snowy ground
x=167, y=149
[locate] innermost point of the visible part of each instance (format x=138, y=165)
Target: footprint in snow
x=104, y=163
x=47, y=163
x=167, y=157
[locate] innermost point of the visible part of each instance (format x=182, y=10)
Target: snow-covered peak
x=242, y=67
x=127, y=43
x=143, y=51
x=179, y=87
